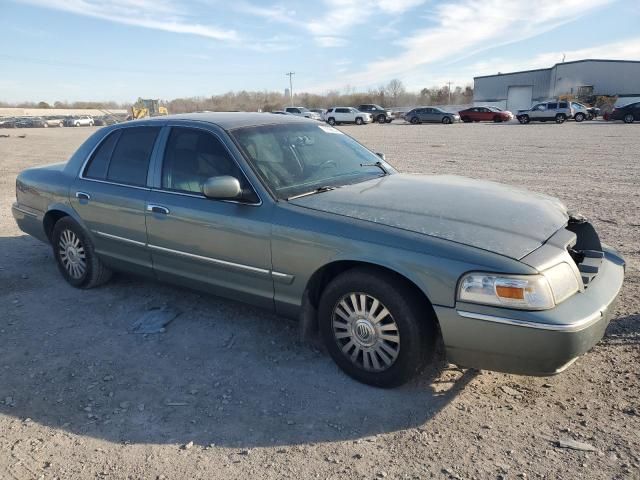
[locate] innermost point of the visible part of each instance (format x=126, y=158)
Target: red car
x=485, y=114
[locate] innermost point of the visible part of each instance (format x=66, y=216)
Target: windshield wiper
x=376, y=164
x=324, y=188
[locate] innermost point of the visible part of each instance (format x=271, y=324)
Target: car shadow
x=222, y=372
x=623, y=331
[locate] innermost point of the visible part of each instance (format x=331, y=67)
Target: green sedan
x=299, y=218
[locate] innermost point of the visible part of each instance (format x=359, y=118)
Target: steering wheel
x=327, y=164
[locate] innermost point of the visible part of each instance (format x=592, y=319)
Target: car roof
x=232, y=120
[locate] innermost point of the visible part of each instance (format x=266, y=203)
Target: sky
x=124, y=49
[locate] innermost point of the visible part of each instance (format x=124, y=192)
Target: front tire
x=381, y=119
x=359, y=121
x=415, y=121
x=446, y=120
x=628, y=118
x=375, y=328
x=524, y=119
x=579, y=117
x=45, y=125
x=76, y=257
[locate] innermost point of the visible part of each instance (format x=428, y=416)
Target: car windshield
x=293, y=159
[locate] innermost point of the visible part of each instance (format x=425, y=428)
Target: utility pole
x=449, y=84
x=290, y=75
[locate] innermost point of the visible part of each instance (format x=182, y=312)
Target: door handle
x=157, y=209
x=83, y=196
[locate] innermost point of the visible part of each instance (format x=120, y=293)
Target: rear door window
x=130, y=159
x=99, y=163
x=564, y=105
x=552, y=106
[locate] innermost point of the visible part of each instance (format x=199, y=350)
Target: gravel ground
x=228, y=392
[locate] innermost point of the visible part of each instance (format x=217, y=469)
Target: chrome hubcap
x=366, y=332
x=72, y=254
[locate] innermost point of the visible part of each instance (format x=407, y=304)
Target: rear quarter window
x=99, y=162
x=130, y=159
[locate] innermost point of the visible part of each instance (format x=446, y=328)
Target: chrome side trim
x=202, y=197
x=569, y=327
x=120, y=239
x=282, y=277
x=26, y=212
x=215, y=261
x=113, y=183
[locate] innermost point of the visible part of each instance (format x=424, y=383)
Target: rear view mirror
x=222, y=188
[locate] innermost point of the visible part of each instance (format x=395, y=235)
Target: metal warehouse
x=580, y=78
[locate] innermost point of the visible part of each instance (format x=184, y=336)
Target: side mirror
x=381, y=155
x=222, y=188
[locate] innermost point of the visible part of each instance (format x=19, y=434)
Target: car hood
x=487, y=215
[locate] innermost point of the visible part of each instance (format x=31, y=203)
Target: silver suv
x=558, y=111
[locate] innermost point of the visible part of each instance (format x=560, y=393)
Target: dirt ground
x=228, y=392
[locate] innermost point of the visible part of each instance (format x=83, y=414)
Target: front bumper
x=533, y=343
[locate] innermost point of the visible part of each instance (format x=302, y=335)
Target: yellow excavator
x=147, y=108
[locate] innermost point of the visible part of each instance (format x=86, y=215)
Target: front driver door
x=221, y=246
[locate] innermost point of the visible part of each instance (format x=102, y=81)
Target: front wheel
x=77, y=124
x=61, y=124
x=359, y=121
x=446, y=120
x=76, y=257
x=579, y=117
x=415, y=121
x=497, y=119
x=524, y=119
x=375, y=328
x=628, y=118
x=382, y=119
x=331, y=121
x=560, y=118
x=45, y=125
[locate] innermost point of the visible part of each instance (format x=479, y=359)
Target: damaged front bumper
x=533, y=342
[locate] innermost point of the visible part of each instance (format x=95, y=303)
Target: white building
x=519, y=90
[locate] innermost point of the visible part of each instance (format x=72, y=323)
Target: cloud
x=152, y=14
x=467, y=27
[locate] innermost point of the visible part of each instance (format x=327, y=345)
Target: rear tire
x=579, y=117
x=331, y=121
x=560, y=118
x=45, y=125
x=75, y=255
x=355, y=342
x=628, y=118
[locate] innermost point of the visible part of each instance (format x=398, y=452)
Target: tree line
x=392, y=95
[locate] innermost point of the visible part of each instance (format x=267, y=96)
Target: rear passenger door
x=221, y=246
x=110, y=195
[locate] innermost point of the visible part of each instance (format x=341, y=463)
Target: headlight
x=527, y=292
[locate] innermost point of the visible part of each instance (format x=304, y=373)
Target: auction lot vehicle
x=430, y=114
x=295, y=216
x=79, y=121
x=30, y=122
x=54, y=121
x=628, y=113
x=337, y=115
x=379, y=114
x=485, y=114
x=541, y=112
x=303, y=112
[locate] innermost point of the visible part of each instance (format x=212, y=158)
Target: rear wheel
x=331, y=121
x=579, y=117
x=76, y=257
x=560, y=118
x=45, y=125
x=375, y=329
x=359, y=121
x=415, y=120
x=446, y=120
x=628, y=118
x=61, y=124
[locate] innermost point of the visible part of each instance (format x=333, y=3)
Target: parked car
x=79, y=121
x=299, y=218
x=30, y=122
x=303, y=112
x=54, y=121
x=581, y=112
x=8, y=122
x=337, y=115
x=104, y=120
x=379, y=114
x=430, y=114
x=319, y=111
x=628, y=113
x=542, y=112
x=281, y=112
x=485, y=114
